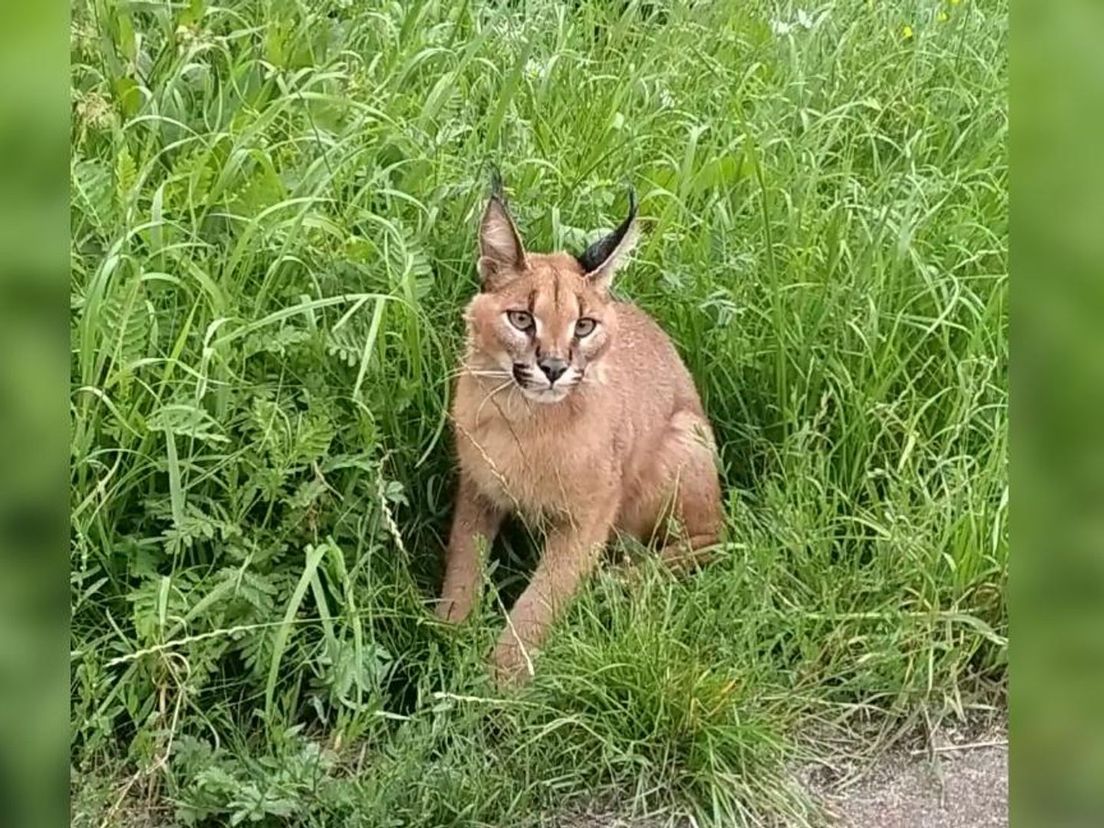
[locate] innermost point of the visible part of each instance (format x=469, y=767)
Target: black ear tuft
x=501, y=252
x=594, y=256
x=496, y=184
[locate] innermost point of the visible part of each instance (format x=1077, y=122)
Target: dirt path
x=961, y=789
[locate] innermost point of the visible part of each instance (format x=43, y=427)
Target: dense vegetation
x=273, y=215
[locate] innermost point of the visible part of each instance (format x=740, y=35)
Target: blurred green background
x=33, y=424
x=1057, y=756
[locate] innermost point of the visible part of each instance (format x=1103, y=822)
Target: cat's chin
x=545, y=396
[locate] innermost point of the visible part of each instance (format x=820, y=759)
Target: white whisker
x=487, y=373
x=492, y=392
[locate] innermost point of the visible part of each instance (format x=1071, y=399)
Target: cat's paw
x=511, y=666
x=452, y=611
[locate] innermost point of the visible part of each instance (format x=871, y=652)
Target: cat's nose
x=553, y=368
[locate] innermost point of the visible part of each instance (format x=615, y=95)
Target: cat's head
x=541, y=320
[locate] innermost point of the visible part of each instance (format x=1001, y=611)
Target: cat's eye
x=584, y=327
x=522, y=320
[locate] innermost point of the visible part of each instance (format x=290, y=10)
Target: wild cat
x=574, y=411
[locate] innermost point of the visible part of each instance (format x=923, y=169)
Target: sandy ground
x=962, y=785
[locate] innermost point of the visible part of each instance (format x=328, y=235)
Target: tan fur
x=625, y=446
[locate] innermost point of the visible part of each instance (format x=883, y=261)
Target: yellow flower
x=906, y=32
x=942, y=17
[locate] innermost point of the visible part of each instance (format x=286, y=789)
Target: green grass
x=273, y=215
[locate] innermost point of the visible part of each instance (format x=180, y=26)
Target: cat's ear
x=602, y=259
x=501, y=254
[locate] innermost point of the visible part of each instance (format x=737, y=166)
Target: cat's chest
x=534, y=470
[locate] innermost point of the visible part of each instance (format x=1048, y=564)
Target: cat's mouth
x=536, y=388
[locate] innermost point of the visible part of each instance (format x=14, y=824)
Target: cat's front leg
x=571, y=552
x=474, y=522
